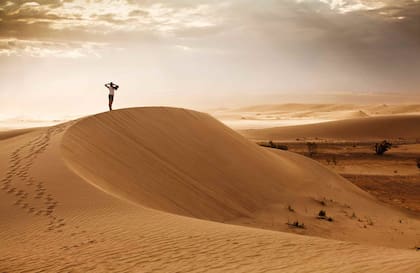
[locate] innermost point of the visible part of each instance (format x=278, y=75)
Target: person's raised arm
x=107, y=85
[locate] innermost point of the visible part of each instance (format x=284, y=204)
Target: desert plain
x=162, y=189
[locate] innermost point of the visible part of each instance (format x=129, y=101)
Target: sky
x=56, y=55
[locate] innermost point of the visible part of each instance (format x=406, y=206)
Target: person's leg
x=111, y=100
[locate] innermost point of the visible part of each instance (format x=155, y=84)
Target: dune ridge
x=54, y=218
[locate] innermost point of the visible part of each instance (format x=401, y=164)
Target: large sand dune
x=371, y=128
x=106, y=193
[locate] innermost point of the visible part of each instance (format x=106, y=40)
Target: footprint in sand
x=31, y=195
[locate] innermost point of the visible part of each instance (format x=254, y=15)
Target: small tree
x=381, y=148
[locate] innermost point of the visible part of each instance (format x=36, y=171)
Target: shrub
x=296, y=224
x=290, y=208
x=381, y=148
x=323, y=215
x=418, y=163
x=312, y=148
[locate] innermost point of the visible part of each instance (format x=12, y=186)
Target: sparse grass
x=322, y=202
x=333, y=160
x=273, y=145
x=296, y=224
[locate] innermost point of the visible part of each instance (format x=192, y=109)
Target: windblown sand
x=174, y=190
x=267, y=116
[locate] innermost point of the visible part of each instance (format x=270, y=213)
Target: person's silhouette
x=111, y=87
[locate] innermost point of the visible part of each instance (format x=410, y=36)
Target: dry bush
x=296, y=224
x=381, y=148
x=323, y=216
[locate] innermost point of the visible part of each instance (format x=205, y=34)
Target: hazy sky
x=55, y=55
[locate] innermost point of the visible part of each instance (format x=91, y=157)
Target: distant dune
x=370, y=109
x=369, y=128
x=139, y=190
x=266, y=116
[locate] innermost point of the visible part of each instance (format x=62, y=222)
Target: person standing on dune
x=111, y=87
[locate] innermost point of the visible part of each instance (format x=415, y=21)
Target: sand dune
x=213, y=170
x=372, y=128
x=13, y=133
x=267, y=116
x=370, y=109
x=106, y=193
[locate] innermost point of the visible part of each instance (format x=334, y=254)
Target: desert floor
x=160, y=189
x=393, y=178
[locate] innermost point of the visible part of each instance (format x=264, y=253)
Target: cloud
x=102, y=20
x=40, y=49
x=355, y=39
x=345, y=6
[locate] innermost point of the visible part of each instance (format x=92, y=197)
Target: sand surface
x=158, y=189
x=398, y=127
x=275, y=115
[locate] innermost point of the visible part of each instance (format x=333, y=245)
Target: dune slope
x=187, y=162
